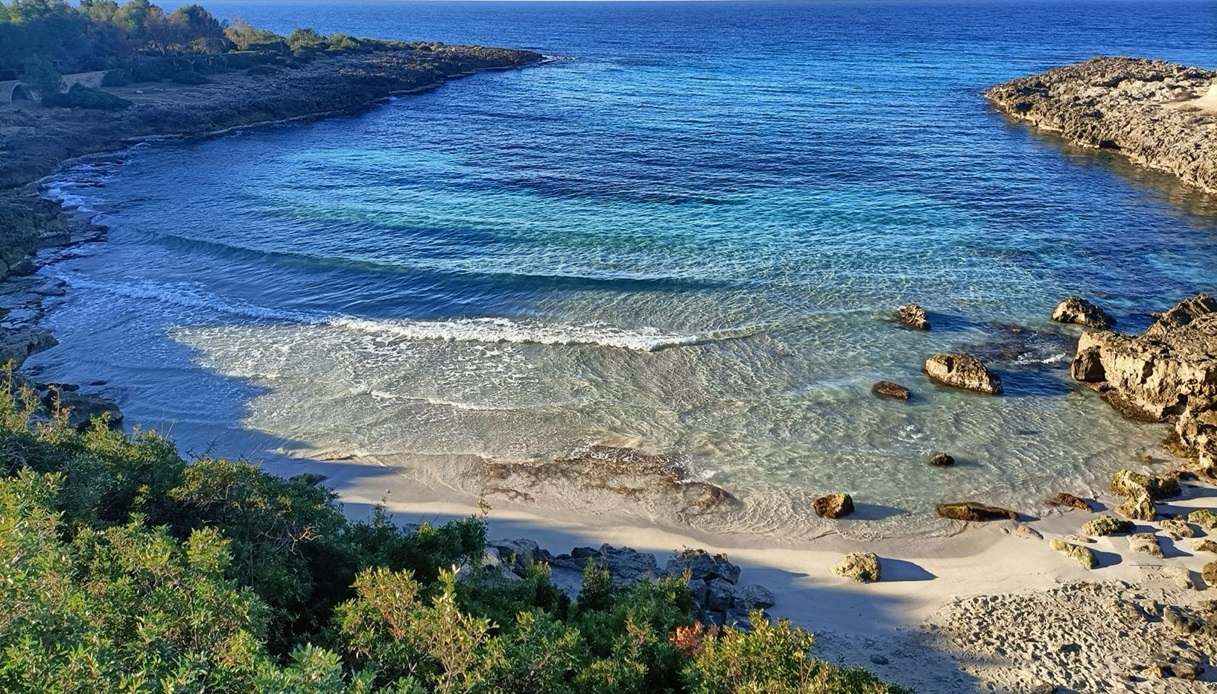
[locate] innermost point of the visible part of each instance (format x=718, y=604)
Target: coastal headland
x=1068, y=600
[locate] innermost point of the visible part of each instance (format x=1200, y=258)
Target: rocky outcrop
x=833, y=505
x=862, y=567
x=16, y=345
x=1151, y=111
x=888, y=389
x=913, y=316
x=962, y=371
x=718, y=596
x=1168, y=374
x=81, y=409
x=973, y=511
x=1079, y=311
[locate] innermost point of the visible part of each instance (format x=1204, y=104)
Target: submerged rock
x=913, y=316
x=1082, y=555
x=862, y=567
x=833, y=505
x=1079, y=311
x=962, y=371
x=888, y=389
x=973, y=511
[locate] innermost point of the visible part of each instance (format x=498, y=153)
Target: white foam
x=504, y=330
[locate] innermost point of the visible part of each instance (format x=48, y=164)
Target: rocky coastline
x=1160, y=115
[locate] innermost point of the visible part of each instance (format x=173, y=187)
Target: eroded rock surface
x=1152, y=111
x=1079, y=311
x=1168, y=374
x=913, y=316
x=973, y=511
x=964, y=371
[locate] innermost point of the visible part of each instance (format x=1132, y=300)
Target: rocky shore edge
x=1160, y=115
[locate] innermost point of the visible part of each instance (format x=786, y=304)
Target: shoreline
x=922, y=577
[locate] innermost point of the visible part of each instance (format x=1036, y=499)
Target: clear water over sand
x=686, y=236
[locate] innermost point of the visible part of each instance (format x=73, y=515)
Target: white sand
x=889, y=626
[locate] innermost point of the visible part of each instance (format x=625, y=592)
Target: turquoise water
x=685, y=234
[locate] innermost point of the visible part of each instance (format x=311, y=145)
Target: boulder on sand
x=1069, y=500
x=1079, y=311
x=1082, y=555
x=913, y=316
x=973, y=511
x=888, y=389
x=1104, y=526
x=962, y=371
x=862, y=567
x=833, y=505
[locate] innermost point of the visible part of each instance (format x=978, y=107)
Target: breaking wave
x=503, y=330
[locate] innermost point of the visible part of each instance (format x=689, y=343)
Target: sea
x=686, y=233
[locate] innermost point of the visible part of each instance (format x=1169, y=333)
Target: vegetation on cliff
x=127, y=567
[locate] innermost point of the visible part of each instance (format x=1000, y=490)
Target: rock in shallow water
x=913, y=316
x=888, y=389
x=1069, y=500
x=1079, y=311
x=940, y=459
x=833, y=505
x=962, y=371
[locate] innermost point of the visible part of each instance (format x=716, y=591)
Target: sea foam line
x=504, y=330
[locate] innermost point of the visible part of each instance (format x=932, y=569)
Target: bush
x=127, y=568
x=80, y=96
x=189, y=77
x=117, y=78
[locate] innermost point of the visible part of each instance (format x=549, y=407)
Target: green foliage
x=130, y=569
x=303, y=39
x=242, y=34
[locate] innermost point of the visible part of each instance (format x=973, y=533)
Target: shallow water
x=687, y=235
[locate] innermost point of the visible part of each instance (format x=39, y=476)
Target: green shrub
x=189, y=77
x=80, y=96
x=130, y=569
x=117, y=77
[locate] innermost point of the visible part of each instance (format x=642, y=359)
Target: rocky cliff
x=1160, y=115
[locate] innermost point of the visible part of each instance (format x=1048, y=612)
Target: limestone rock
x=913, y=316
x=962, y=371
x=1177, y=529
x=83, y=409
x=973, y=511
x=702, y=565
x=1128, y=483
x=833, y=505
x=1145, y=543
x=1078, y=553
x=1204, y=518
x=1138, y=507
x=1207, y=546
x=1069, y=500
x=1209, y=574
x=1107, y=525
x=1079, y=311
x=940, y=459
x=16, y=345
x=862, y=567
x=1136, y=107
x=888, y=389
x=1168, y=374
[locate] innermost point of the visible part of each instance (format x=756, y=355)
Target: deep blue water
x=685, y=234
